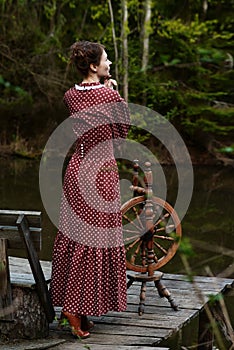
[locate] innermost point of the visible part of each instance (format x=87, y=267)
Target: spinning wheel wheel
x=166, y=233
x=152, y=234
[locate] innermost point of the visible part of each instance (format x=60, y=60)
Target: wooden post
x=5, y=285
x=36, y=268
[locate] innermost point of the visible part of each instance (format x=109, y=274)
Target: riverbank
x=11, y=151
x=198, y=156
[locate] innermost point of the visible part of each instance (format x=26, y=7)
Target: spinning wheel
x=165, y=236
x=152, y=234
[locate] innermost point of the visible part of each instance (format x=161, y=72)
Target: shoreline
x=198, y=157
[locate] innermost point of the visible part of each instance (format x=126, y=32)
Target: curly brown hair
x=84, y=53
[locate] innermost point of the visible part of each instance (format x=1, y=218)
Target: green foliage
x=213, y=299
x=64, y=322
x=211, y=55
x=13, y=98
x=185, y=248
x=189, y=77
x=192, y=32
x=8, y=87
x=229, y=149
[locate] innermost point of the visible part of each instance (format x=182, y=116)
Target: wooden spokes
x=162, y=239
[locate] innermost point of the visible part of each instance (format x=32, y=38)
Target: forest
x=175, y=57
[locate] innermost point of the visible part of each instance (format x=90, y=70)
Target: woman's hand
x=110, y=83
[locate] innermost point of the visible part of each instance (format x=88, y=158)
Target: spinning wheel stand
x=162, y=290
x=152, y=233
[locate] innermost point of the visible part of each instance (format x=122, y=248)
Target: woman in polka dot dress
x=88, y=265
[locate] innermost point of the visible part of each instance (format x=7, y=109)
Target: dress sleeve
x=119, y=115
x=120, y=120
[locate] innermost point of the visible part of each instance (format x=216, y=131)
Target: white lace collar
x=85, y=87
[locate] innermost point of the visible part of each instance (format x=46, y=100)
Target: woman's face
x=103, y=69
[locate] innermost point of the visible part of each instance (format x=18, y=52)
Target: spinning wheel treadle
x=152, y=234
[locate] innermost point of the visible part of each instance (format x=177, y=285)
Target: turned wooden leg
x=164, y=292
x=141, y=307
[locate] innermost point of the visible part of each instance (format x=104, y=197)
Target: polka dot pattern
x=88, y=265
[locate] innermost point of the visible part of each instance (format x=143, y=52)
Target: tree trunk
x=145, y=35
x=28, y=314
x=114, y=41
x=125, y=47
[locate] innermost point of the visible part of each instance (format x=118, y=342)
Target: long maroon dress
x=88, y=265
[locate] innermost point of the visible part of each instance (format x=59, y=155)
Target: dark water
x=208, y=224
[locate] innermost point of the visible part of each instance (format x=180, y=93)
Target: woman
x=88, y=265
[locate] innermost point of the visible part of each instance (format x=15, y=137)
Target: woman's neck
x=91, y=79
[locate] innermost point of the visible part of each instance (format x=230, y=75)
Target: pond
x=208, y=223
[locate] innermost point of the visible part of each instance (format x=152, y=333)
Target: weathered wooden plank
x=5, y=286
x=36, y=268
x=184, y=285
x=117, y=335
x=158, y=323
x=9, y=217
x=211, y=284
x=21, y=272
x=148, y=319
x=4, y=268
x=197, y=293
x=12, y=234
x=38, y=344
x=115, y=329
x=182, y=301
x=142, y=332
x=22, y=266
x=161, y=312
x=116, y=339
x=204, y=279
x=78, y=346
x=15, y=277
x=24, y=280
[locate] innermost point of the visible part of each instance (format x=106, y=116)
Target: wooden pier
x=128, y=330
